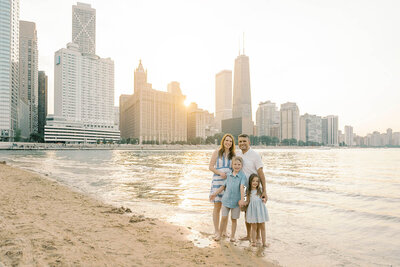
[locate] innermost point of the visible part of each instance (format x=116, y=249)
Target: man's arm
x=241, y=201
x=260, y=173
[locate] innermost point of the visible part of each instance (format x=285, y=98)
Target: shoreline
x=46, y=223
x=47, y=146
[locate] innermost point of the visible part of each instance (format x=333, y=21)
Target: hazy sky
x=338, y=57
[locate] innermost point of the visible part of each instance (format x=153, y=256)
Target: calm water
x=327, y=207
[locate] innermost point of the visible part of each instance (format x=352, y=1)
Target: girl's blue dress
x=256, y=211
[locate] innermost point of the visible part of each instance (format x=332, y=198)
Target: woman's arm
x=212, y=164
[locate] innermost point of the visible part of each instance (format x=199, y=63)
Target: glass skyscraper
x=9, y=68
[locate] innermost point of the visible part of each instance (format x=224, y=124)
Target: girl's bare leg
x=233, y=229
x=253, y=234
x=263, y=235
x=216, y=215
x=258, y=233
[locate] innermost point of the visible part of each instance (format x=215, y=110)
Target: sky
x=339, y=57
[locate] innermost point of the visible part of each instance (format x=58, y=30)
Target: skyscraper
x=199, y=121
x=348, y=131
x=389, y=134
x=289, y=121
x=84, y=27
x=9, y=68
x=153, y=116
x=223, y=96
x=42, y=103
x=241, y=121
x=241, y=89
x=330, y=130
x=310, y=128
x=28, y=76
x=83, y=86
x=267, y=119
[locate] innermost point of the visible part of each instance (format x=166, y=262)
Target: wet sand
x=43, y=223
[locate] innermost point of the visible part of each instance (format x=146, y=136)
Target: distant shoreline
x=47, y=146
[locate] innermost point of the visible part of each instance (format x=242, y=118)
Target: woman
x=220, y=164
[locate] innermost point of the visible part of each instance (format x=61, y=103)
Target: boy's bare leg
x=248, y=229
x=233, y=229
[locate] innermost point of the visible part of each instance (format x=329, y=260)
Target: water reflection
x=330, y=207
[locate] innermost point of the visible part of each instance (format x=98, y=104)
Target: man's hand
x=264, y=197
x=223, y=175
x=242, y=203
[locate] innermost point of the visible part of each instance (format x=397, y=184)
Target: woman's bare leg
x=216, y=216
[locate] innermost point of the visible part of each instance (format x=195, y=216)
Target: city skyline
x=329, y=57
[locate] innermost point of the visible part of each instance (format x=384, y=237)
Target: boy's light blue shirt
x=232, y=189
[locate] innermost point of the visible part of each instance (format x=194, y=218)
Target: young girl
x=220, y=165
x=257, y=213
x=233, y=197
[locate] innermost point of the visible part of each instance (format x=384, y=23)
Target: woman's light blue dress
x=222, y=164
x=256, y=211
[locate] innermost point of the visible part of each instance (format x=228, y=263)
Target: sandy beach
x=43, y=223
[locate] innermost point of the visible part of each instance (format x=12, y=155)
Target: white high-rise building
x=348, y=132
x=330, y=130
x=9, y=68
x=267, y=119
x=310, y=128
x=223, y=96
x=289, y=121
x=28, y=77
x=84, y=88
x=84, y=27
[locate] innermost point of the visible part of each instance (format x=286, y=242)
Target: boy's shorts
x=235, y=212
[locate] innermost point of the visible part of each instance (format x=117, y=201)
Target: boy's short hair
x=243, y=135
x=238, y=158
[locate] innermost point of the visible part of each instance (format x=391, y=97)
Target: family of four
x=238, y=184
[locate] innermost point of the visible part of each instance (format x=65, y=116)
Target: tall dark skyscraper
x=241, y=121
x=42, y=102
x=241, y=89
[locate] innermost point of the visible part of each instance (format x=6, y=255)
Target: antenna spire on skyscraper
x=243, y=43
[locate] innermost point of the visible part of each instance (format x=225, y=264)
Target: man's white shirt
x=251, y=162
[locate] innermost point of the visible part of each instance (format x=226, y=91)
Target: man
x=251, y=164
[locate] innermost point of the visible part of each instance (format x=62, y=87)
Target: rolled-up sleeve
x=258, y=162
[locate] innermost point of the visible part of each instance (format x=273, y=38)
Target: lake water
x=338, y=207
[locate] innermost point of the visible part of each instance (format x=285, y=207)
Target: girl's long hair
x=221, y=149
x=252, y=176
